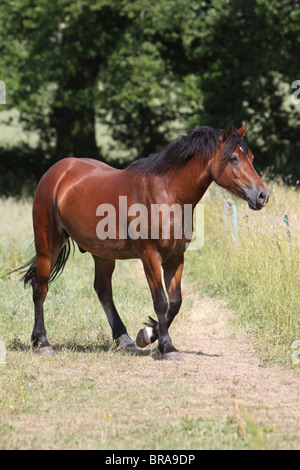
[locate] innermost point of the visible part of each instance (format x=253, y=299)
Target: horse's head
x=232, y=168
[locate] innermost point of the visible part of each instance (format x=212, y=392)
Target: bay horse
x=65, y=208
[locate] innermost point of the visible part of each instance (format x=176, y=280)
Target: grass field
x=89, y=396
x=260, y=276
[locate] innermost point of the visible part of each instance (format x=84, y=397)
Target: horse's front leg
x=172, y=276
x=165, y=312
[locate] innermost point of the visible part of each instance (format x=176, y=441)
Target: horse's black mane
x=200, y=142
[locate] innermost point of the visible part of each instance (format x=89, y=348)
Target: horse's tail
x=29, y=273
x=28, y=269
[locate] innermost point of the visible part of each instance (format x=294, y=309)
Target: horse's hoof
x=131, y=350
x=45, y=351
x=125, y=344
x=143, y=337
x=170, y=356
x=173, y=356
x=128, y=349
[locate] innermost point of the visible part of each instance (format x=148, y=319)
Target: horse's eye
x=234, y=159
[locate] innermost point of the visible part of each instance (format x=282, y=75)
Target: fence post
x=286, y=220
x=234, y=217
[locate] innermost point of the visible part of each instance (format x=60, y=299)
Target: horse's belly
x=109, y=249
x=104, y=245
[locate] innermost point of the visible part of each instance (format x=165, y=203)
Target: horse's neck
x=191, y=182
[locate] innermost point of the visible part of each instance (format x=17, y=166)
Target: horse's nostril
x=262, y=196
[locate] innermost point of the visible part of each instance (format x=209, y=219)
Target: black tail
x=57, y=270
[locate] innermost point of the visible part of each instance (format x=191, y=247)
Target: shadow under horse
x=73, y=201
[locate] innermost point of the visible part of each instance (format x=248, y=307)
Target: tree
x=142, y=86
x=148, y=68
x=65, y=61
x=244, y=56
x=53, y=55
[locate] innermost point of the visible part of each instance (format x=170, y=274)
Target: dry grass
x=89, y=397
x=261, y=275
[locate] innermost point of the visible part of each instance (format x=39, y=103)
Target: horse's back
x=80, y=166
x=70, y=171
x=70, y=175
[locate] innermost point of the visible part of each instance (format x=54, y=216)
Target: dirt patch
x=222, y=396
x=221, y=362
x=230, y=374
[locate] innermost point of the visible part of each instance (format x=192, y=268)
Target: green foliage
x=149, y=68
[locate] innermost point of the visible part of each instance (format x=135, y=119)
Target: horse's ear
x=242, y=130
x=227, y=132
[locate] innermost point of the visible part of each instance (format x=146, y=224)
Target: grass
x=71, y=402
x=260, y=276
x=87, y=396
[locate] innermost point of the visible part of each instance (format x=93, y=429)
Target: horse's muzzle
x=258, y=198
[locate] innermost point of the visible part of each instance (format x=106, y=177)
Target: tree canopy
x=146, y=69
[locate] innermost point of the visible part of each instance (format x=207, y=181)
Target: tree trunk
x=75, y=132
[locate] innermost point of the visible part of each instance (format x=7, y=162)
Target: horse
x=66, y=209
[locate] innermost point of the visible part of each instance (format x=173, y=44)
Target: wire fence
x=231, y=218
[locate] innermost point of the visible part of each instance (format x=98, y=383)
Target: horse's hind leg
x=104, y=269
x=47, y=251
x=40, y=288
